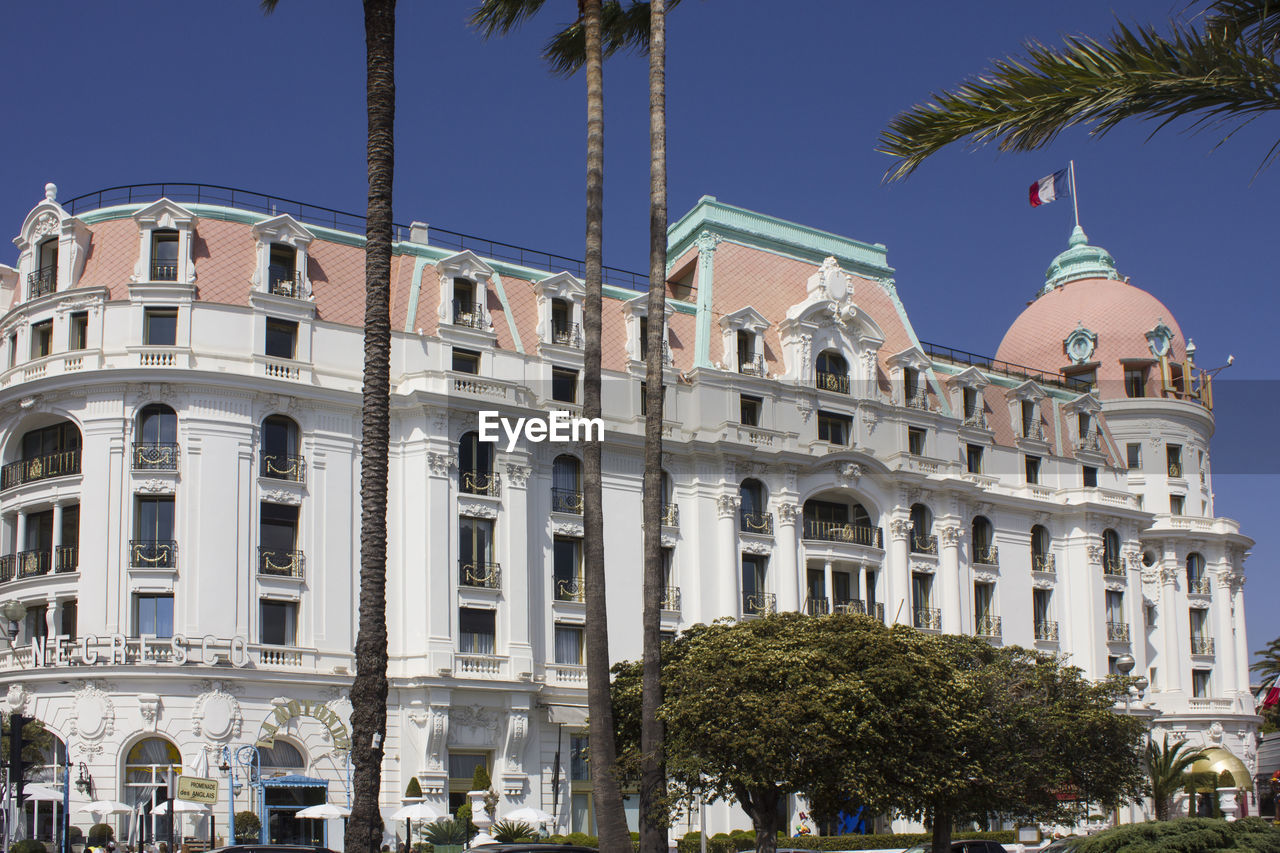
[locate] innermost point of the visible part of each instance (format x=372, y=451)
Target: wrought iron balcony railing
x=1175, y=470
x=759, y=603
x=153, y=553
x=1111, y=566
x=1117, y=632
x=61, y=464
x=566, y=334
x=817, y=606
x=853, y=606
x=480, y=574
x=989, y=556
x=571, y=589
x=281, y=564
x=751, y=365
x=918, y=400
x=480, y=482
x=755, y=522
x=282, y=466
x=929, y=618
x=1047, y=630
x=566, y=500
x=66, y=558
x=1200, y=585
x=670, y=515
x=924, y=544
x=838, y=531
x=469, y=314
x=285, y=284
x=41, y=282
x=834, y=382
x=1033, y=430
x=155, y=456
x=987, y=626
x=164, y=271
x=1091, y=440
x=671, y=598
x=1043, y=563
x=977, y=420
x=32, y=563
x=1202, y=645
x=7, y=571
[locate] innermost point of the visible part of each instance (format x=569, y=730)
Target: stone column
x=441, y=565
x=1242, y=642
x=828, y=588
x=20, y=537
x=516, y=572
x=1224, y=633
x=1170, y=659
x=730, y=596
x=57, y=537
x=790, y=584
x=897, y=603
x=949, y=568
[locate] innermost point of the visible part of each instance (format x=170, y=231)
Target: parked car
x=1062, y=845
x=972, y=845
x=270, y=848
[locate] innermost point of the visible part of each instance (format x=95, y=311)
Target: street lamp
x=14, y=611
x=84, y=781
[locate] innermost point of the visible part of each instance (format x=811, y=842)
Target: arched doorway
x=146, y=775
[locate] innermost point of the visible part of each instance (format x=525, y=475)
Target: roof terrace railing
x=1049, y=377
x=342, y=221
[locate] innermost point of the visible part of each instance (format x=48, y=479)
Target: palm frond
x=1136, y=74
x=500, y=17
x=622, y=29
x=268, y=6
x=1256, y=21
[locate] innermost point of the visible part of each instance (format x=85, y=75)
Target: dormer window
x=749, y=361
x=636, y=311
x=283, y=247
x=1030, y=423
x=832, y=372
x=563, y=330
x=44, y=278
x=466, y=310
x=971, y=407
x=282, y=271
x=743, y=332
x=913, y=393
x=164, y=244
x=164, y=255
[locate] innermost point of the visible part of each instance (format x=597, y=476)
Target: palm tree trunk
x=611, y=823
x=653, y=832
x=369, y=690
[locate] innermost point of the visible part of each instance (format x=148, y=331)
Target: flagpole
x=1075, y=203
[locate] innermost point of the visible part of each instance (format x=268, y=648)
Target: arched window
x=1110, y=552
x=1041, y=559
x=751, y=513
x=156, y=440
x=475, y=466
x=146, y=776
x=51, y=451
x=281, y=455
x=1196, y=579
x=984, y=549
x=922, y=539
x=281, y=759
x=566, y=484
x=832, y=372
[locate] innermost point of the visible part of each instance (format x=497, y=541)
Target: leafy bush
x=741, y=839
x=423, y=847
x=1186, y=835
x=447, y=830
x=28, y=845
x=248, y=827
x=508, y=831
x=100, y=834
x=578, y=839
x=480, y=779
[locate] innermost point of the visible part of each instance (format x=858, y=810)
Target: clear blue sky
x=772, y=106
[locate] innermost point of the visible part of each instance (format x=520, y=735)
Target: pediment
x=970, y=377
x=282, y=229
x=912, y=357
x=1084, y=403
x=639, y=307
x=1028, y=390
x=465, y=264
x=745, y=318
x=44, y=220
x=562, y=285
x=164, y=214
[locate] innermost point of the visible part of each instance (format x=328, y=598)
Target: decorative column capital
x=707, y=242
x=1169, y=576
x=1094, y=553
x=900, y=528
x=951, y=535
x=518, y=475
x=788, y=513
x=727, y=505
x=439, y=464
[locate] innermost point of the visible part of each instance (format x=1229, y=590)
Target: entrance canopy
x=1217, y=759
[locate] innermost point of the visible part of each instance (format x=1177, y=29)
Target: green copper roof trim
x=770, y=233
x=1080, y=260
x=506, y=311
x=419, y=265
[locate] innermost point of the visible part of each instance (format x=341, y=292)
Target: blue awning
x=294, y=780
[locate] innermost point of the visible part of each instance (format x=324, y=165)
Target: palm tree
x=1268, y=664
x=1223, y=74
x=1168, y=768
x=369, y=688
x=501, y=16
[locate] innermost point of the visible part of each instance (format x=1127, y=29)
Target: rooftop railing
x=1051, y=377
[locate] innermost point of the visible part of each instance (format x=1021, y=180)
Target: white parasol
x=324, y=811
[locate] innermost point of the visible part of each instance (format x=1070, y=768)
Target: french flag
x=1051, y=188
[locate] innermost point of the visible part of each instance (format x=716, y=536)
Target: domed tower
x=1158, y=411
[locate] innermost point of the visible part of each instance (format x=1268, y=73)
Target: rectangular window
x=1040, y=607
x=1173, y=453
x=13, y=349
x=983, y=598
x=568, y=644
x=910, y=383
x=1033, y=469
x=749, y=410
x=41, y=339
x=564, y=385
x=153, y=615
x=566, y=555
x=278, y=529
x=282, y=338
x=746, y=350
x=1199, y=621
x=971, y=407
x=279, y=622
x=1177, y=505
x=973, y=458
x=463, y=765
x=465, y=361
x=476, y=631
x=579, y=766
x=754, y=598
x=475, y=541
x=1029, y=419
x=834, y=428
x=644, y=338
x=915, y=441
x=1133, y=454
x=1200, y=683
x=1090, y=476
x=164, y=255
x=160, y=327
x=1115, y=606
x=1135, y=381
x=79, y=331
x=154, y=520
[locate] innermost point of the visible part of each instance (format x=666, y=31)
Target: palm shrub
x=1167, y=769
x=447, y=831
x=509, y=831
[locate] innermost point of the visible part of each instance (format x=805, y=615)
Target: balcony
x=670, y=515
x=285, y=284
x=566, y=500
x=1175, y=470
x=1199, y=586
x=571, y=589
x=479, y=574
x=1046, y=630
x=918, y=400
x=756, y=522
x=1202, y=646
x=1034, y=431
x=480, y=483
x=924, y=544
x=282, y=466
x=164, y=271
x=41, y=282
x=1090, y=441
x=1044, y=563
x=566, y=335
x=858, y=607
x=471, y=665
x=671, y=598
x=1111, y=566
x=817, y=606
x=155, y=456
x=838, y=531
x=1117, y=632
x=280, y=564
x=837, y=383
x=987, y=626
x=32, y=563
x=927, y=618
x=976, y=420
x=6, y=568
x=752, y=365
x=153, y=554
x=759, y=603
x=988, y=556
x=62, y=464
x=66, y=558
x=469, y=314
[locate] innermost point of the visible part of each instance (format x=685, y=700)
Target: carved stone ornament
x=417, y=714
x=282, y=496
x=923, y=567
x=1094, y=553
x=1169, y=576
x=1215, y=732
x=727, y=505
x=439, y=464
x=869, y=420
x=805, y=408
x=1079, y=345
x=1151, y=575
x=669, y=540
x=477, y=510
x=437, y=735
x=899, y=528
x=155, y=486
x=518, y=475
x=951, y=535
x=1133, y=559
x=46, y=223
x=149, y=708
x=17, y=697
x=473, y=725
x=93, y=714
x=1042, y=582
x=788, y=512
x=217, y=716
x=986, y=574
x=757, y=546
x=566, y=528
x=1115, y=584
x=707, y=242
x=517, y=739
x=849, y=470
x=1156, y=441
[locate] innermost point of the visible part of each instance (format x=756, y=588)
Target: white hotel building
x=179, y=424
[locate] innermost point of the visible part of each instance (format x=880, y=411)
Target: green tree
x=1168, y=772
x=1267, y=666
x=369, y=688
x=1220, y=72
